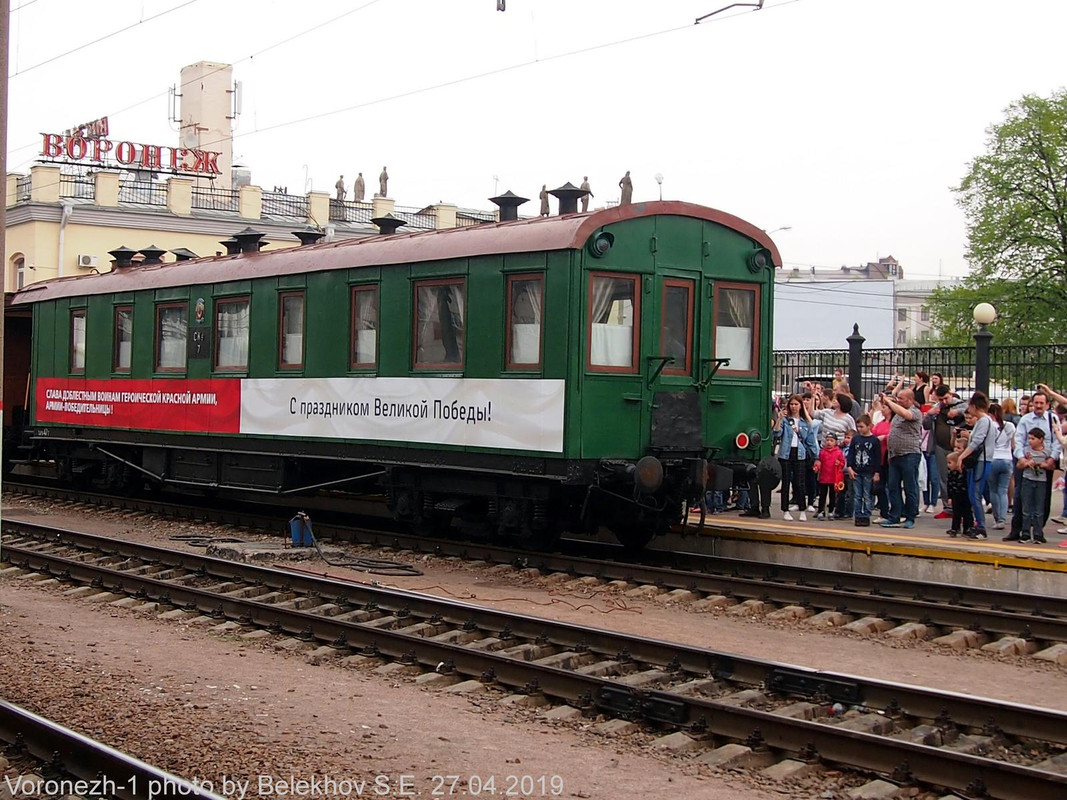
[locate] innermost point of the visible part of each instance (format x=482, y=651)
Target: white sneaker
x=787, y=517
x=998, y=526
x=928, y=510
x=811, y=509
x=988, y=508
x=803, y=517
x=794, y=507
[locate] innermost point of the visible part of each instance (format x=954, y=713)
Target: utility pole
x=5, y=36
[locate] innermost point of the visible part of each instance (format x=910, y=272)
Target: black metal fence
x=1014, y=370
x=77, y=185
x=280, y=204
x=147, y=193
x=345, y=211
x=212, y=199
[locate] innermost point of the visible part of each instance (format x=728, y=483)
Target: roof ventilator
x=152, y=255
x=249, y=240
x=123, y=257
x=309, y=235
x=568, y=195
x=388, y=224
x=509, y=203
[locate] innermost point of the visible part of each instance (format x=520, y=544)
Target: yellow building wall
x=38, y=243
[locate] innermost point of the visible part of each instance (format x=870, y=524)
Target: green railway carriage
x=524, y=377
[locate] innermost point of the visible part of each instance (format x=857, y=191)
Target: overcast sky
x=848, y=120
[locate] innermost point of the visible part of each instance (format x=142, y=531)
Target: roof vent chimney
x=568, y=195
x=309, y=235
x=183, y=254
x=509, y=203
x=388, y=224
x=123, y=257
x=248, y=240
x=231, y=245
x=152, y=255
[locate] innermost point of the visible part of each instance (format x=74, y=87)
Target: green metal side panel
x=142, y=356
x=394, y=323
x=326, y=351
x=200, y=367
x=263, y=337
x=484, y=323
x=44, y=338
x=99, y=336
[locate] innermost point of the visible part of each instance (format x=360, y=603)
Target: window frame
x=352, y=306
x=218, y=303
x=902, y=314
x=517, y=365
x=439, y=366
x=160, y=307
x=757, y=315
x=690, y=285
x=77, y=313
x=127, y=307
x=282, y=296
x=635, y=358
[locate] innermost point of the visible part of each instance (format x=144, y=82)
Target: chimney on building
x=568, y=195
x=152, y=255
x=509, y=203
x=249, y=240
x=309, y=235
x=388, y=224
x=123, y=257
x=184, y=254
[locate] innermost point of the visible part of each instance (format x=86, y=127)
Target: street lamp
x=659, y=179
x=984, y=314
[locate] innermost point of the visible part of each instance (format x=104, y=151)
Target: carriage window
x=231, y=334
x=291, y=331
x=122, y=356
x=77, y=340
x=364, y=347
x=613, y=323
x=439, y=323
x=737, y=328
x=676, y=327
x=525, y=293
x=172, y=330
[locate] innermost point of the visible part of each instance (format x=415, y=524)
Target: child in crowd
x=864, y=461
x=830, y=468
x=962, y=518
x=1033, y=464
x=845, y=502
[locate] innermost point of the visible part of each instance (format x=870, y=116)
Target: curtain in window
x=124, y=337
x=365, y=321
x=173, y=330
x=734, y=328
x=233, y=334
x=440, y=325
x=77, y=353
x=611, y=338
x=526, y=322
x=293, y=330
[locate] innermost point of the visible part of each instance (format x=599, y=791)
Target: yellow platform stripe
x=997, y=555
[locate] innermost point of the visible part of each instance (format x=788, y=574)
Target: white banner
x=519, y=414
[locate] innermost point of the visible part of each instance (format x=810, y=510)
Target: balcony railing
x=212, y=199
x=146, y=193
x=343, y=211
x=279, y=204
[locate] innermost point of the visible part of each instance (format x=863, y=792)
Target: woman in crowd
x=1000, y=472
x=977, y=460
x=919, y=386
x=836, y=419
x=796, y=444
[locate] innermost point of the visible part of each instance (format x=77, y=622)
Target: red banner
x=201, y=406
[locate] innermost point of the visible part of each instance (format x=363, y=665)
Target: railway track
x=56, y=761
x=723, y=706
x=875, y=603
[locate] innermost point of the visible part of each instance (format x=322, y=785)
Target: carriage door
x=674, y=423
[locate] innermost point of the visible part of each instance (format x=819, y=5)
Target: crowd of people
x=920, y=448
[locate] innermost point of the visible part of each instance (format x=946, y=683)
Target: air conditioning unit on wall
x=88, y=261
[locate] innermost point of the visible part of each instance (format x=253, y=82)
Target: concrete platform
x=924, y=552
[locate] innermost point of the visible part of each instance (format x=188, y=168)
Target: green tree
x=1014, y=197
